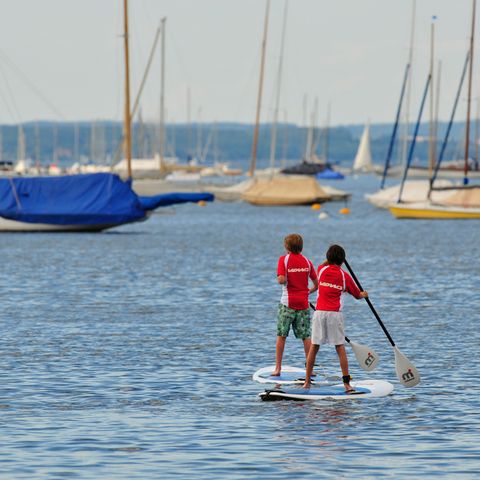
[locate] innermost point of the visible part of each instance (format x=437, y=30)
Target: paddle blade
x=406, y=371
x=366, y=357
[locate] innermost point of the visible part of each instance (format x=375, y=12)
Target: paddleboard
x=289, y=375
x=363, y=389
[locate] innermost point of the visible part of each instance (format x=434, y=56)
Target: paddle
x=406, y=371
x=366, y=357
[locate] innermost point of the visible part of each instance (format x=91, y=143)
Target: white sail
x=363, y=159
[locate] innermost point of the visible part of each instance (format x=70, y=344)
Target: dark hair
x=293, y=243
x=336, y=254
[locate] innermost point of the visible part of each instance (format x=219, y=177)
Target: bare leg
x=306, y=347
x=279, y=355
x=312, y=354
x=342, y=357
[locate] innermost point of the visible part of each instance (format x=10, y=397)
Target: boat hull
x=433, y=212
x=7, y=225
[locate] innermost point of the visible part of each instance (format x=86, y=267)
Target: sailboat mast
x=127, y=121
x=198, y=148
x=414, y=139
x=327, y=133
x=409, y=86
x=37, y=146
x=21, y=149
x=437, y=106
x=162, y=100
x=189, y=127
x=449, y=126
x=477, y=125
x=273, y=144
x=431, y=149
x=285, y=139
x=76, y=155
x=54, y=144
x=309, y=145
x=469, y=96
x=305, y=123
x=253, y=161
x=215, y=142
x=313, y=150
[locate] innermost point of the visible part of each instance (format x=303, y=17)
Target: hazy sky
x=351, y=53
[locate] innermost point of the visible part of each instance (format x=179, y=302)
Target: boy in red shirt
x=293, y=273
x=328, y=321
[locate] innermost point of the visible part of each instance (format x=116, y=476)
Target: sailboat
x=463, y=201
x=412, y=191
x=90, y=202
x=363, y=158
x=276, y=189
x=311, y=164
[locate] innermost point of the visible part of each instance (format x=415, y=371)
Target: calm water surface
x=129, y=354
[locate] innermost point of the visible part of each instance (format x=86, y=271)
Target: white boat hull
x=7, y=225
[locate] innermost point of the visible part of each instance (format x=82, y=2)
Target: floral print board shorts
x=299, y=320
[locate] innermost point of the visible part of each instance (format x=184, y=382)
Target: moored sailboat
x=90, y=202
x=363, y=158
x=277, y=189
x=77, y=203
x=464, y=201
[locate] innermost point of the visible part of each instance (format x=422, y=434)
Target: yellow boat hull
x=434, y=212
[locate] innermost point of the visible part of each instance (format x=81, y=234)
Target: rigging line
x=24, y=77
x=136, y=104
x=176, y=53
x=414, y=139
x=244, y=97
x=450, y=123
x=5, y=101
x=14, y=113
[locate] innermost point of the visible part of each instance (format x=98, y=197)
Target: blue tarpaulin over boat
x=90, y=199
x=329, y=174
x=165, y=199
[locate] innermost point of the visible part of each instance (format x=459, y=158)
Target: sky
x=63, y=59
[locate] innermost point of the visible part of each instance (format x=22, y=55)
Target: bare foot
x=306, y=385
x=276, y=373
x=348, y=388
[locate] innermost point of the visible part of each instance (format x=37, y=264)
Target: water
x=129, y=354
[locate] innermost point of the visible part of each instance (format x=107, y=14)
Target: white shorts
x=327, y=327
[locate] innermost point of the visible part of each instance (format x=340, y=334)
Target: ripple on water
x=131, y=355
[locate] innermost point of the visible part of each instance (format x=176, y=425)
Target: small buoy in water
x=201, y=203
x=323, y=215
x=344, y=211
x=316, y=206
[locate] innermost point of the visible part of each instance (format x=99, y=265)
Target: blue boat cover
x=90, y=199
x=165, y=199
x=329, y=174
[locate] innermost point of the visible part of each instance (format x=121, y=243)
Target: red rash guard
x=296, y=269
x=332, y=282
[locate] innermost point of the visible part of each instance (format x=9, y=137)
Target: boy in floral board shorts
x=293, y=273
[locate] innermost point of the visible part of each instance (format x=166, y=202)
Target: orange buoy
x=201, y=203
x=316, y=206
x=344, y=211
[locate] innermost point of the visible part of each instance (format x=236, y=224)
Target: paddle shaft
x=312, y=306
x=377, y=316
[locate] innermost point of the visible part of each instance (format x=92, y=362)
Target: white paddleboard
x=363, y=389
x=288, y=376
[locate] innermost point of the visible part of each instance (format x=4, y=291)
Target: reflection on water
x=129, y=354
